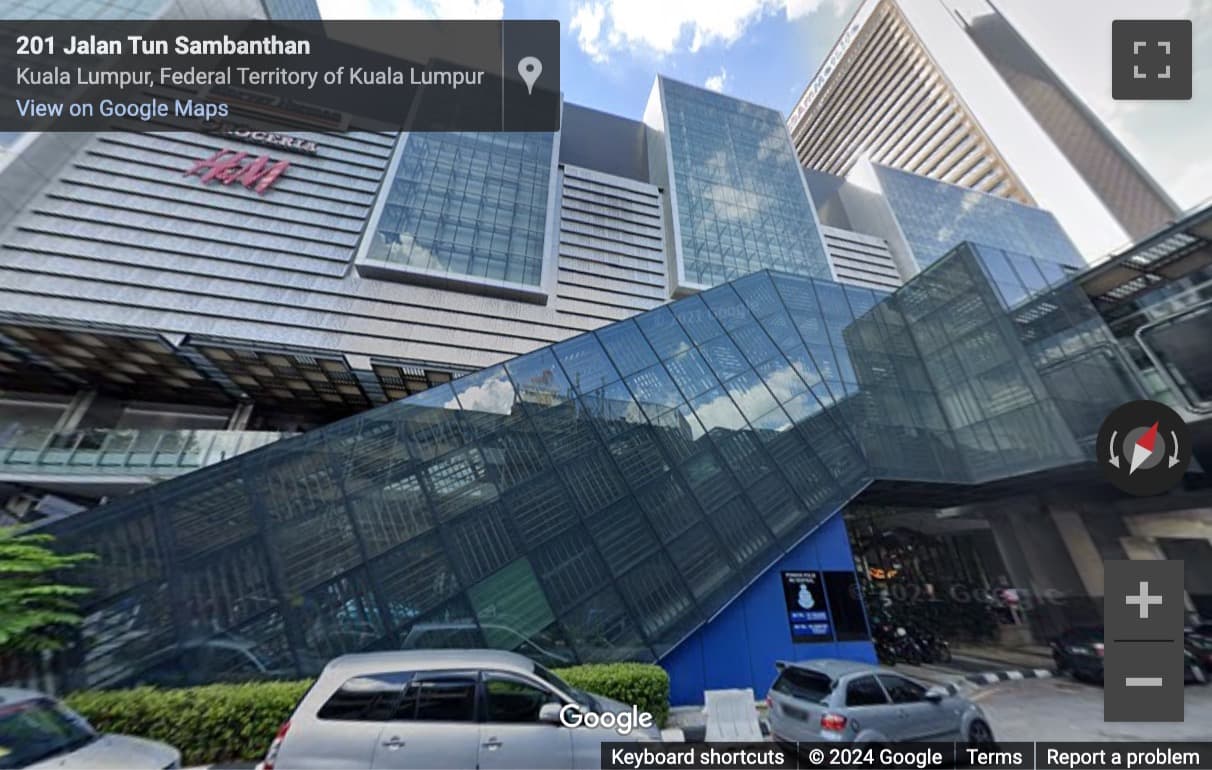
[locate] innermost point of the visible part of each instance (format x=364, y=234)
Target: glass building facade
x=598, y=499
x=934, y=216
x=989, y=364
x=466, y=207
x=740, y=198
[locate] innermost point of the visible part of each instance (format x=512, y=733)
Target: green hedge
x=642, y=684
x=214, y=723
x=224, y=722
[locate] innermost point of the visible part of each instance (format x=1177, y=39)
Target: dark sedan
x=1079, y=652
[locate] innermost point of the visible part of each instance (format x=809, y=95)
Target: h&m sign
x=228, y=166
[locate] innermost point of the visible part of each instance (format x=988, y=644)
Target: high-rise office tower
x=961, y=97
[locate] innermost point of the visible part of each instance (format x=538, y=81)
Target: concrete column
x=1085, y=554
x=1052, y=552
x=1038, y=562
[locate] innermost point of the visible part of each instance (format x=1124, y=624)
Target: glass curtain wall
x=595, y=500
x=742, y=204
x=467, y=205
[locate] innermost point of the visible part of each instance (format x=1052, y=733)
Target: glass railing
x=119, y=451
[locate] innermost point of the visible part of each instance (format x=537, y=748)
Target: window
x=902, y=690
x=559, y=685
x=512, y=700
x=440, y=698
x=34, y=730
x=370, y=698
x=805, y=685
x=865, y=691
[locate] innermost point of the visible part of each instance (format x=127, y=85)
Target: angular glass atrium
x=601, y=498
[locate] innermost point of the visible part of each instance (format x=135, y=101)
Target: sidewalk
x=1024, y=656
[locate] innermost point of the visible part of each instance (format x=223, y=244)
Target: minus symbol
x=1142, y=681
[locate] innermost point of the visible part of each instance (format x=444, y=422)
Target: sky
x=766, y=51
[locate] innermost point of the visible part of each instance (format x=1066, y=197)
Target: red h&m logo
x=228, y=166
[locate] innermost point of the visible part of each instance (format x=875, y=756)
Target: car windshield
x=35, y=730
x=1087, y=634
x=570, y=692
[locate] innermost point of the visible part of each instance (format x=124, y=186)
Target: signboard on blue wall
x=807, y=613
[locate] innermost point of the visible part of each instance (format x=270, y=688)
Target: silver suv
x=445, y=709
x=847, y=701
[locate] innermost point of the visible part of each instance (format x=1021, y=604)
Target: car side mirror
x=935, y=695
x=550, y=713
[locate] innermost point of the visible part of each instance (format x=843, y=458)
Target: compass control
x=1144, y=448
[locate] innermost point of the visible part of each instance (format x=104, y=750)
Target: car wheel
x=980, y=734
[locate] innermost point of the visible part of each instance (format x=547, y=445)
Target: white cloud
x=412, y=9
x=799, y=8
x=663, y=27
x=587, y=21
x=716, y=82
x=494, y=395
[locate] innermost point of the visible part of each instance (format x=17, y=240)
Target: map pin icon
x=530, y=68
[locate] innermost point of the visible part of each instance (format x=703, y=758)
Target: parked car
x=445, y=709
x=37, y=731
x=1200, y=647
x=848, y=701
x=1079, y=652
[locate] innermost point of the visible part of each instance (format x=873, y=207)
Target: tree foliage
x=34, y=607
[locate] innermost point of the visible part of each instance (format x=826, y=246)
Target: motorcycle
x=935, y=648
x=907, y=648
x=897, y=643
x=883, y=636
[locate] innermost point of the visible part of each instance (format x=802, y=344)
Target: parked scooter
x=935, y=648
x=883, y=638
x=897, y=643
x=906, y=647
x=894, y=645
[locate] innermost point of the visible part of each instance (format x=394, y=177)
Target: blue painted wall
x=739, y=647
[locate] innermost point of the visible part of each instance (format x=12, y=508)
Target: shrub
x=640, y=684
x=213, y=723
x=225, y=722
